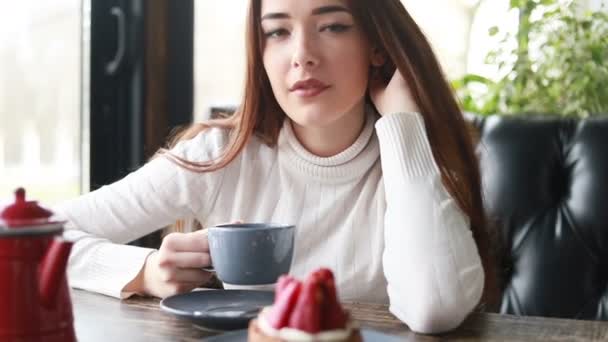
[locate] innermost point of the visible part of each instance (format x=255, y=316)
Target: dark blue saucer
x=218, y=310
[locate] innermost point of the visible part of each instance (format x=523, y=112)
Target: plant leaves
x=559, y=66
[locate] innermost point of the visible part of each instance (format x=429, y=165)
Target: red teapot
x=35, y=300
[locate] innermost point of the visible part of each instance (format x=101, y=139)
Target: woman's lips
x=308, y=88
x=309, y=92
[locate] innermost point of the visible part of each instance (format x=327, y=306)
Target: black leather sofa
x=545, y=183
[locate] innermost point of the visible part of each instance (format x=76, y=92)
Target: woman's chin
x=322, y=113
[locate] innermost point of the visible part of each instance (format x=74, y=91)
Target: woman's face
x=317, y=59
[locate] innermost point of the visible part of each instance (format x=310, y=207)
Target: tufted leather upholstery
x=546, y=184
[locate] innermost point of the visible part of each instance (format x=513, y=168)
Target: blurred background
x=40, y=97
x=90, y=88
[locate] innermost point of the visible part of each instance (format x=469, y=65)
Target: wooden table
x=101, y=318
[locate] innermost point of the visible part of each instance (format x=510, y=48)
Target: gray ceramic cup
x=251, y=253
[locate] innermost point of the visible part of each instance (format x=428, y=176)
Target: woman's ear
x=378, y=57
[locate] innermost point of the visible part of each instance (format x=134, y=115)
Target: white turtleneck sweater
x=377, y=214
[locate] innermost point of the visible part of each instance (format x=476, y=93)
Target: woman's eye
x=335, y=28
x=275, y=33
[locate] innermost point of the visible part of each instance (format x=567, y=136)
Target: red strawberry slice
x=306, y=315
x=281, y=283
x=323, y=274
x=284, y=303
x=334, y=317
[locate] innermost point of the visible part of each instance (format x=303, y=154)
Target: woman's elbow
x=434, y=317
x=432, y=320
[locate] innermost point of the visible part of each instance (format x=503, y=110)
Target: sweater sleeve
x=431, y=262
x=154, y=196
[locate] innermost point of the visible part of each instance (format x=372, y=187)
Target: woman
x=347, y=129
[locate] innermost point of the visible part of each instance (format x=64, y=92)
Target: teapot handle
x=52, y=270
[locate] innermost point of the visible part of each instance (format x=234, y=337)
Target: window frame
x=134, y=106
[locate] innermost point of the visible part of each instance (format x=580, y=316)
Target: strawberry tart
x=304, y=311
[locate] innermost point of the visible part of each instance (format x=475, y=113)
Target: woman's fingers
x=394, y=97
x=184, y=260
x=171, y=289
x=189, y=242
x=188, y=276
x=178, y=265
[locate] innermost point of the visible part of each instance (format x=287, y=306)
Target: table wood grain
x=101, y=318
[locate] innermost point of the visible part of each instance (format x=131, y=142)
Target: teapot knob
x=20, y=195
x=23, y=213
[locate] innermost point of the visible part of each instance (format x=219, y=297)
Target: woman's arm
x=154, y=196
x=434, y=272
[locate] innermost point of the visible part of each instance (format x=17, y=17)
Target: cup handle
x=209, y=268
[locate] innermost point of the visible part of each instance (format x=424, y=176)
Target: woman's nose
x=305, y=55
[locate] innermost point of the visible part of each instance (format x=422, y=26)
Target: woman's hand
x=177, y=266
x=392, y=98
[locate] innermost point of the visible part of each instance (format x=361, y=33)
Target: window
x=40, y=99
x=446, y=24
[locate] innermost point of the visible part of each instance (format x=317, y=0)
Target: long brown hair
x=389, y=27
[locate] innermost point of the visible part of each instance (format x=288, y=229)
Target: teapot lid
x=24, y=213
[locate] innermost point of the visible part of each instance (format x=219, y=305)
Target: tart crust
x=255, y=334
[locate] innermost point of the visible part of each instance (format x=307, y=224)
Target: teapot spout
x=51, y=270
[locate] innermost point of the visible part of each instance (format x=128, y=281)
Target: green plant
x=556, y=63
